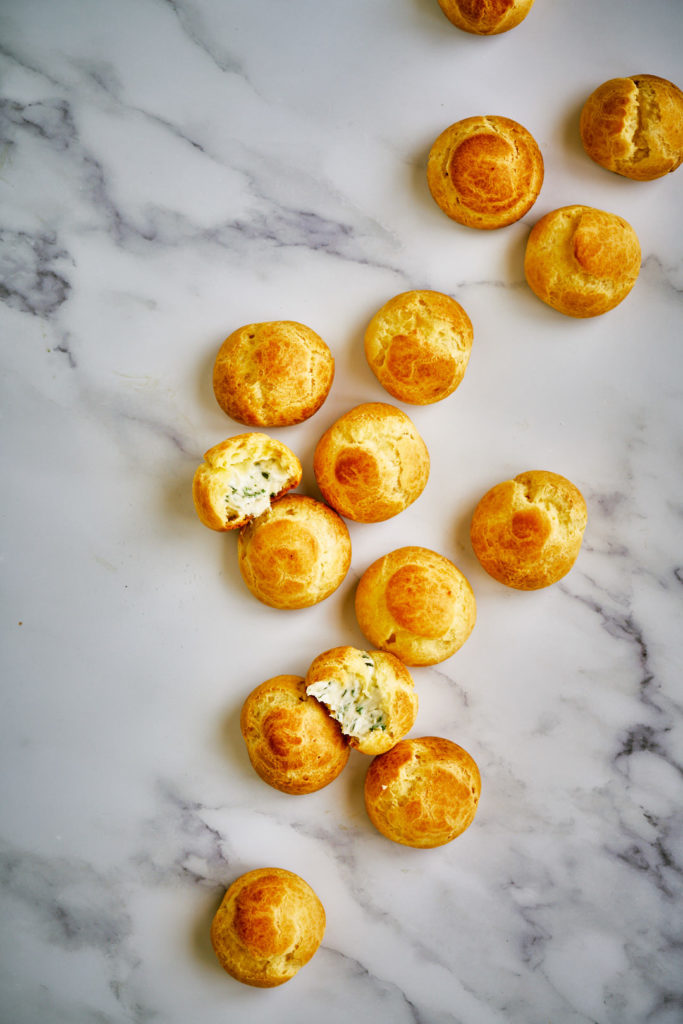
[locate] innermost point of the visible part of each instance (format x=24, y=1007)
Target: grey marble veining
x=168, y=172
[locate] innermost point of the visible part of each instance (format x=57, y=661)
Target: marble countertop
x=168, y=172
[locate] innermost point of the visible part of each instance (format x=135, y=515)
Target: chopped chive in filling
x=248, y=493
x=357, y=706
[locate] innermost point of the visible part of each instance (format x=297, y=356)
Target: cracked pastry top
x=418, y=346
x=272, y=374
x=268, y=926
x=581, y=261
x=371, y=463
x=527, y=532
x=486, y=17
x=485, y=172
x=634, y=126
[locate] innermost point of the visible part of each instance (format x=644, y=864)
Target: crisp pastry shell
x=485, y=171
x=486, y=17
x=634, y=126
x=371, y=463
x=414, y=603
x=268, y=926
x=424, y=792
x=293, y=743
x=394, y=681
x=582, y=261
x=418, y=346
x=527, y=532
x=295, y=554
x=221, y=466
x=272, y=374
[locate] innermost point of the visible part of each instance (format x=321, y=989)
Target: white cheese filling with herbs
x=356, y=703
x=251, y=486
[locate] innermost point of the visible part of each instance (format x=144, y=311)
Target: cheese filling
x=251, y=486
x=355, y=702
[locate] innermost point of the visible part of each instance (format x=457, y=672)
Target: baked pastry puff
x=240, y=477
x=418, y=346
x=372, y=463
x=634, y=126
x=414, y=603
x=424, y=792
x=582, y=261
x=268, y=926
x=527, y=532
x=294, y=554
x=272, y=374
x=293, y=743
x=485, y=172
x=370, y=693
x=486, y=17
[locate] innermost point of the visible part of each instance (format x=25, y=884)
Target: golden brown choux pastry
x=239, y=479
x=527, y=532
x=295, y=554
x=486, y=17
x=634, y=126
x=372, y=463
x=418, y=346
x=370, y=693
x=485, y=172
x=582, y=261
x=414, y=603
x=272, y=374
x=268, y=927
x=423, y=792
x=293, y=743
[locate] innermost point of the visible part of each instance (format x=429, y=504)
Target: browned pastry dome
x=370, y=693
x=295, y=554
x=240, y=477
x=527, y=532
x=485, y=172
x=423, y=792
x=268, y=927
x=292, y=742
x=415, y=604
x=634, y=126
x=272, y=374
x=582, y=261
x=486, y=17
x=372, y=463
x=418, y=346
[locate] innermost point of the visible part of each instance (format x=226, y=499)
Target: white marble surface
x=168, y=172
